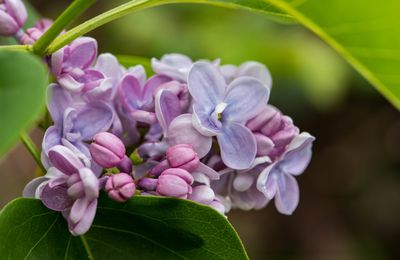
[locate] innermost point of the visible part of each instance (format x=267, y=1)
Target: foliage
x=23, y=82
x=142, y=228
x=148, y=227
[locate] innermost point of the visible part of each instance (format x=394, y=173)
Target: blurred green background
x=350, y=194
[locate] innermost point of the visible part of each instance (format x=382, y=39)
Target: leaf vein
x=140, y=235
x=42, y=237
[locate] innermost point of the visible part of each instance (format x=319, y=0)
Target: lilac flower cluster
x=200, y=131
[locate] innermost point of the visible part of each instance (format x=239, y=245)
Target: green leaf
x=23, y=81
x=74, y=10
x=367, y=35
x=142, y=228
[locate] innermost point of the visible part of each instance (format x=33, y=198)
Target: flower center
x=219, y=109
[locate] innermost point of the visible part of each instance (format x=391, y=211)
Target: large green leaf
x=142, y=228
x=23, y=80
x=365, y=33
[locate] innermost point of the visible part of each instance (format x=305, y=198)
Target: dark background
x=350, y=194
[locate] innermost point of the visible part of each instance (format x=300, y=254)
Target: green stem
x=70, y=14
x=87, y=248
x=16, y=47
x=33, y=150
x=98, y=21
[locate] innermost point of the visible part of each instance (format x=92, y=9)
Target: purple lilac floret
x=70, y=187
x=195, y=130
x=13, y=16
x=222, y=109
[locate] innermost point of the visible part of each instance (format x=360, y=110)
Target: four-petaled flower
x=221, y=110
x=277, y=180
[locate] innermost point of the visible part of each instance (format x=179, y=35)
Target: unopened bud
x=120, y=187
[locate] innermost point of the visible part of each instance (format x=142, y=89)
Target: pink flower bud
x=120, y=187
x=273, y=131
x=13, y=16
x=107, y=150
x=264, y=144
x=183, y=156
x=175, y=182
x=34, y=33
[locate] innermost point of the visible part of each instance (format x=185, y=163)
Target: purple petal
x=149, y=90
x=78, y=209
x=287, y=197
x=52, y=137
x=265, y=180
x=238, y=146
x=82, y=53
x=54, y=173
x=94, y=118
x=202, y=194
x=173, y=65
x=116, y=127
x=65, y=160
x=68, y=82
x=8, y=26
x=90, y=183
x=56, y=61
x=30, y=190
x=181, y=131
x=144, y=116
x=207, y=171
x=267, y=120
x=59, y=100
x=56, y=198
x=229, y=71
x=90, y=77
x=103, y=91
x=17, y=9
x=43, y=24
x=243, y=181
x=167, y=108
x=250, y=199
x=201, y=178
x=108, y=65
x=255, y=70
x=155, y=133
x=298, y=154
x=129, y=92
x=246, y=97
x=206, y=84
x=139, y=73
x=68, y=124
x=80, y=149
x=264, y=144
x=85, y=222
x=153, y=149
x=201, y=121
x=141, y=170
x=60, y=181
